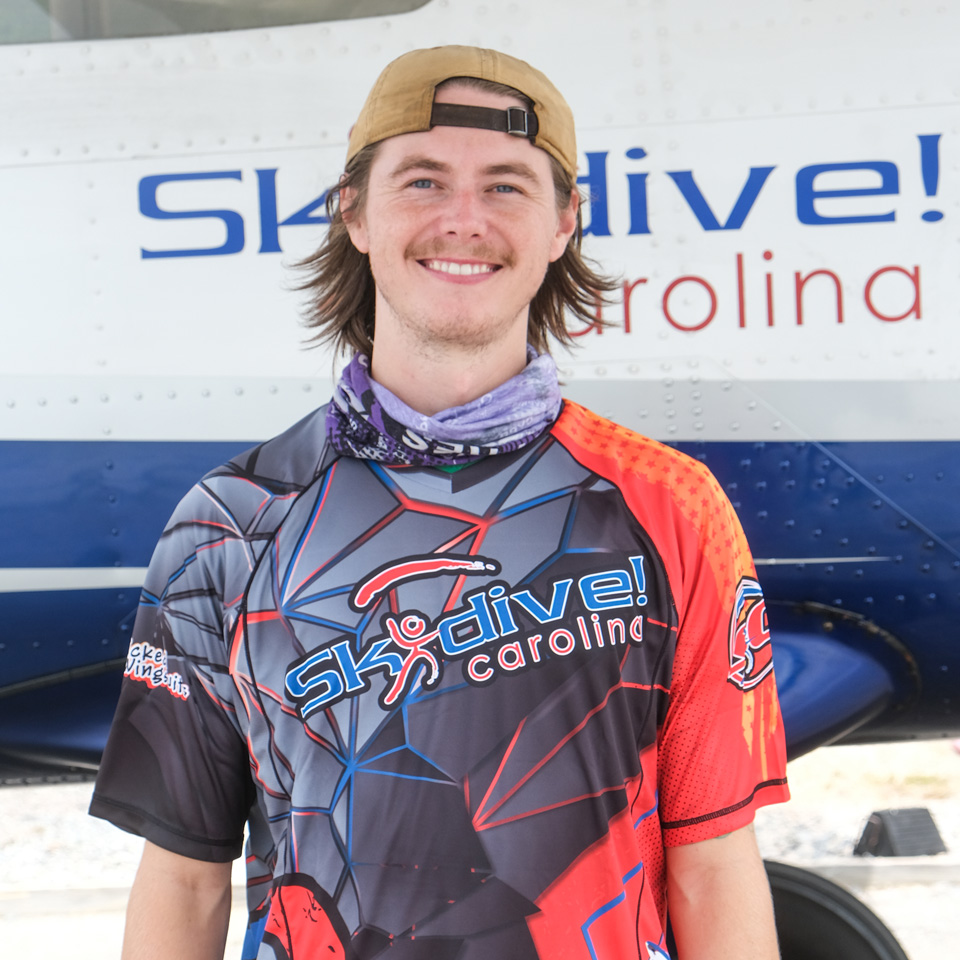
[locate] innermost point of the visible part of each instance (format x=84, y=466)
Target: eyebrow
x=494, y=170
x=514, y=169
x=418, y=163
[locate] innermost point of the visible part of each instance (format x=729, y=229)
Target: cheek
x=541, y=246
x=390, y=241
x=377, y=248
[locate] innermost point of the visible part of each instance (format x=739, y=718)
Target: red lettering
x=666, y=307
x=515, y=660
x=533, y=643
x=592, y=327
x=568, y=639
x=915, y=306
x=628, y=289
x=801, y=283
x=477, y=668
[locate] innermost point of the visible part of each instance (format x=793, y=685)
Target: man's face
x=460, y=225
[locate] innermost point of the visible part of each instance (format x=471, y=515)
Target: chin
x=468, y=329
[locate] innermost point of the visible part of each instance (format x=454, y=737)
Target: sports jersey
x=461, y=713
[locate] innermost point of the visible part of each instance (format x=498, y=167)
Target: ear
x=352, y=220
x=566, y=226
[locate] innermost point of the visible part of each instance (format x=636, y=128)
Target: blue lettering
x=373, y=659
x=537, y=610
x=596, y=180
x=602, y=591
x=337, y=684
x=701, y=209
x=231, y=219
x=481, y=630
x=501, y=607
x=637, y=190
x=636, y=564
x=299, y=685
x=269, y=222
x=344, y=657
x=807, y=195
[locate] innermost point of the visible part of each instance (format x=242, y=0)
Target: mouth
x=457, y=268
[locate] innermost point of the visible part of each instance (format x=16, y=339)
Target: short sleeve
x=722, y=751
x=175, y=769
x=720, y=747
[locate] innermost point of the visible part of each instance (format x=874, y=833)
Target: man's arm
x=719, y=900
x=179, y=908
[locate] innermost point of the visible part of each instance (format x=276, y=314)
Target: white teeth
x=459, y=269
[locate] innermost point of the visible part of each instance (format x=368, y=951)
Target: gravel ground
x=64, y=876
x=834, y=790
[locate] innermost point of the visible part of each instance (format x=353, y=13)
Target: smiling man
x=459, y=233
x=483, y=674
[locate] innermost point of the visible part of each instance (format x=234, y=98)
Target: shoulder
x=629, y=458
x=236, y=507
x=291, y=460
x=671, y=495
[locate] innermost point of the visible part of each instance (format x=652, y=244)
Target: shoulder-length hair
x=340, y=284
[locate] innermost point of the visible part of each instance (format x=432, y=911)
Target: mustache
x=438, y=249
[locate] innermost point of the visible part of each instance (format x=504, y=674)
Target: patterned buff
x=366, y=420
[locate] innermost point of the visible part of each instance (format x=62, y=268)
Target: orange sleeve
x=720, y=751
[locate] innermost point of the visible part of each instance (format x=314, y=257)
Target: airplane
x=772, y=184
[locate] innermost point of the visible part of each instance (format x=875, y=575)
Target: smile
x=460, y=269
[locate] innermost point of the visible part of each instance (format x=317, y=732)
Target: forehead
x=464, y=146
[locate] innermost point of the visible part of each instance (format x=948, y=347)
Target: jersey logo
x=415, y=568
x=497, y=629
x=751, y=656
x=148, y=664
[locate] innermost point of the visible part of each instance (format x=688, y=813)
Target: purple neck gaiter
x=366, y=420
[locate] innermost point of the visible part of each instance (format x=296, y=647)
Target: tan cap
x=401, y=100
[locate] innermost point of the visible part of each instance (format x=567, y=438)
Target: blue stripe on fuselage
x=104, y=504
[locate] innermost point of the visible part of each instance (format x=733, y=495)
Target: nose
x=463, y=215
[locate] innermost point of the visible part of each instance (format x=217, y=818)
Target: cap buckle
x=518, y=122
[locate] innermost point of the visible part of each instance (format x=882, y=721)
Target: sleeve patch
x=148, y=664
x=751, y=657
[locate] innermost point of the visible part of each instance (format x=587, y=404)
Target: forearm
x=719, y=900
x=179, y=909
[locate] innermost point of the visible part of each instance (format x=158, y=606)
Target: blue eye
x=504, y=188
x=422, y=184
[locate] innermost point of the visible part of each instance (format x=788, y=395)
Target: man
x=486, y=675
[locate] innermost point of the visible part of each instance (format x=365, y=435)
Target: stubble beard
x=430, y=334
x=461, y=331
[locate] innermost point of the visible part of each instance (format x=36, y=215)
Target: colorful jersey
x=462, y=713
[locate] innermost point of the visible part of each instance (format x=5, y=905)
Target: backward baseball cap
x=401, y=101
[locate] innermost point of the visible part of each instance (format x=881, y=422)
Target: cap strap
x=515, y=120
